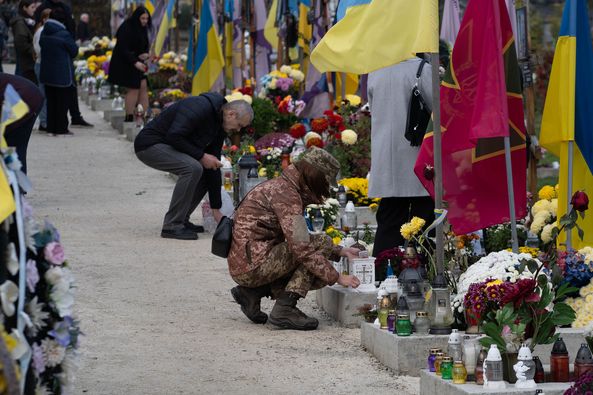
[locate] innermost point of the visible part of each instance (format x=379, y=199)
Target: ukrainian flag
x=149, y=6
x=166, y=24
x=305, y=28
x=271, y=31
x=208, y=60
x=13, y=109
x=568, y=111
x=373, y=34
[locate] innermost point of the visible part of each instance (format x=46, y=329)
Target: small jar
x=422, y=323
x=391, y=321
x=447, y=368
x=459, y=373
x=437, y=363
x=432, y=357
x=403, y=325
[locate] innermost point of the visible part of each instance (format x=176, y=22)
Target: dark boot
x=249, y=299
x=286, y=315
x=129, y=118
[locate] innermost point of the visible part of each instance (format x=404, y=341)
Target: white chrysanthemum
x=285, y=69
x=540, y=221
x=541, y=205
x=37, y=315
x=554, y=207
x=311, y=135
x=547, y=233
x=54, y=353
x=297, y=75
x=349, y=137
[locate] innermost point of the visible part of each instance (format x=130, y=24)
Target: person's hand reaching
x=210, y=162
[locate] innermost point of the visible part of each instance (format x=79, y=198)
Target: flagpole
x=569, y=190
x=511, y=191
x=438, y=166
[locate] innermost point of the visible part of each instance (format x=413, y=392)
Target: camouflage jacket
x=271, y=214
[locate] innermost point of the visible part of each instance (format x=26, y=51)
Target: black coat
x=23, y=46
x=192, y=126
x=132, y=41
x=83, y=33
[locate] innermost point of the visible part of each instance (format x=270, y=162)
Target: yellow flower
x=547, y=192
x=547, y=233
x=337, y=240
x=329, y=230
x=262, y=172
x=541, y=205
x=251, y=149
x=353, y=99
x=493, y=282
x=373, y=206
x=411, y=228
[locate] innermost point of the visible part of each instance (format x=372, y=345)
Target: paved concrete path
x=157, y=314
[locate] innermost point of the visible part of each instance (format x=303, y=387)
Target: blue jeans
x=43, y=111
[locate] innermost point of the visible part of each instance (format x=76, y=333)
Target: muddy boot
x=286, y=315
x=249, y=299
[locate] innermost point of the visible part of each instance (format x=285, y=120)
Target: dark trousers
x=19, y=138
x=190, y=187
x=73, y=104
x=393, y=212
x=57, y=109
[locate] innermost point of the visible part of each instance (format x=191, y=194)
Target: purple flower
x=38, y=361
x=32, y=275
x=284, y=84
x=61, y=331
x=54, y=253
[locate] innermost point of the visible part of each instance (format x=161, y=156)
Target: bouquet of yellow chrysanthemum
x=412, y=228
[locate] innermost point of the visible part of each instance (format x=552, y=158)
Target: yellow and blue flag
x=271, y=28
x=372, y=34
x=568, y=111
x=13, y=109
x=208, y=59
x=166, y=24
x=149, y=5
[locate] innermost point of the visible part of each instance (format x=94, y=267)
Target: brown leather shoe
x=250, y=301
x=286, y=315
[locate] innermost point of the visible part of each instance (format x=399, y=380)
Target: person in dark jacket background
x=127, y=65
x=57, y=71
x=77, y=119
x=186, y=139
x=18, y=133
x=83, y=32
x=22, y=29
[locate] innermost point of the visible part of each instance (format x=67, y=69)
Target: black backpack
x=418, y=113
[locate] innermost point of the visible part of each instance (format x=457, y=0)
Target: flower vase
x=472, y=321
x=509, y=359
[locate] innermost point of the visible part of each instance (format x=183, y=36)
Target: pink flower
x=32, y=275
x=54, y=253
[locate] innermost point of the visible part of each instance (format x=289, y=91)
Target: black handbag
x=418, y=113
x=223, y=237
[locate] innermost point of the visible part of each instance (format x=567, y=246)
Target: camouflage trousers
x=284, y=273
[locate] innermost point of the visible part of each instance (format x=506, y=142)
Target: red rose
x=298, y=130
x=234, y=148
x=580, y=201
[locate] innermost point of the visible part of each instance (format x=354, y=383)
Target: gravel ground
x=157, y=314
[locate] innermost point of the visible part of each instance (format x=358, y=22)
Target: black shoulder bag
x=418, y=113
x=223, y=235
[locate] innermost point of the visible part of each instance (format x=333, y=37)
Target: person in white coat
x=392, y=175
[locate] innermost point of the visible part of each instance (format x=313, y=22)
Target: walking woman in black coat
x=127, y=65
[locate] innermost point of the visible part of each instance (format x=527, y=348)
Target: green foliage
x=265, y=118
x=498, y=237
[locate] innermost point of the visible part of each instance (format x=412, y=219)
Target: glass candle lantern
x=559, y=362
x=493, y=369
x=403, y=326
x=447, y=368
x=525, y=369
x=391, y=321
x=459, y=373
x=422, y=323
x=349, y=220
x=583, y=362
x=437, y=362
x=384, y=305
x=471, y=348
x=479, y=369
x=318, y=223
x=431, y=358
x=439, y=307
x=454, y=347
x=402, y=305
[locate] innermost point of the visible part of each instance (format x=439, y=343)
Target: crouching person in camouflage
x=272, y=253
